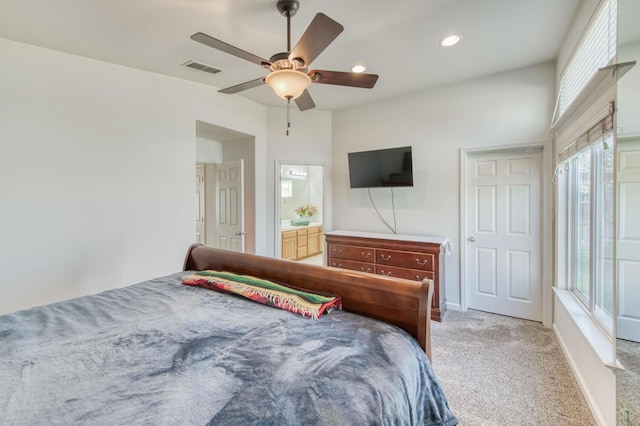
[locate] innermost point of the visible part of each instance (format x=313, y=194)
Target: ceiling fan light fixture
x=358, y=68
x=288, y=84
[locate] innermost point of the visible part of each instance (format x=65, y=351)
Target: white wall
x=316, y=190
x=97, y=172
x=509, y=108
x=209, y=151
x=629, y=92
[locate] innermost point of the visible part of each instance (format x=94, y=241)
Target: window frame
x=600, y=186
x=574, y=189
x=593, y=302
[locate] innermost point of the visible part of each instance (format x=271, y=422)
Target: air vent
x=202, y=67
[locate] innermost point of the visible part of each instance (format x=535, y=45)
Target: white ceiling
x=398, y=40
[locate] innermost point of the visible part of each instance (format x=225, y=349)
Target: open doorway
x=299, y=212
x=216, y=149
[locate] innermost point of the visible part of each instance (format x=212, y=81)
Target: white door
x=230, y=205
x=628, y=244
x=502, y=271
x=200, y=191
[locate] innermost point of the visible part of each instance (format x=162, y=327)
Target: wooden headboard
x=404, y=303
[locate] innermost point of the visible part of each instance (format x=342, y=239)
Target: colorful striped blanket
x=266, y=292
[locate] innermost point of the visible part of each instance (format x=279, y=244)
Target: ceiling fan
x=289, y=74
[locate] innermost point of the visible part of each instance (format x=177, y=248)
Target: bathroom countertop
x=292, y=228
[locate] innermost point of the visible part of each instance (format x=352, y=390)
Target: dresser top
x=396, y=237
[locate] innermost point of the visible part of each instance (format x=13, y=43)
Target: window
x=596, y=49
x=590, y=224
x=286, y=189
x=580, y=192
x=586, y=194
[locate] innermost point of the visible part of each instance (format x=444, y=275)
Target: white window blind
x=596, y=49
x=595, y=134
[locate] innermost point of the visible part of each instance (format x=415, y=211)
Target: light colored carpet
x=499, y=370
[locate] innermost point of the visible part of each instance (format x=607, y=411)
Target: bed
x=160, y=352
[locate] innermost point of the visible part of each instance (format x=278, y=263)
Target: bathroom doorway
x=300, y=212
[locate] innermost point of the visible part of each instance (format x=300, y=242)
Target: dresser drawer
x=351, y=265
x=405, y=259
x=407, y=274
x=360, y=254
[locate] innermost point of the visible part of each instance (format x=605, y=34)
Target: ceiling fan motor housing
x=280, y=61
x=288, y=8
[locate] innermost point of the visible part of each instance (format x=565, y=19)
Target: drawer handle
x=339, y=265
x=336, y=250
x=383, y=273
x=362, y=269
x=418, y=278
x=385, y=258
x=424, y=262
x=365, y=256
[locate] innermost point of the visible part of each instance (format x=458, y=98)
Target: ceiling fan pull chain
x=288, y=115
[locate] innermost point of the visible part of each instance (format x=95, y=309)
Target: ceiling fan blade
x=304, y=101
x=243, y=86
x=318, y=35
x=227, y=48
x=352, y=79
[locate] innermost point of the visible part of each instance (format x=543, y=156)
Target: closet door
x=230, y=205
x=502, y=259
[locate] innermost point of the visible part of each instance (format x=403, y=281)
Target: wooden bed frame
x=404, y=303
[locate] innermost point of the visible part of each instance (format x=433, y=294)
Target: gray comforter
x=162, y=353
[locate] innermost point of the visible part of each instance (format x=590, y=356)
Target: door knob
x=471, y=239
x=240, y=233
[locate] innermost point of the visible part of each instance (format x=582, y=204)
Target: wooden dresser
x=402, y=256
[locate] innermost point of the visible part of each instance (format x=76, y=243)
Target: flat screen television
x=381, y=168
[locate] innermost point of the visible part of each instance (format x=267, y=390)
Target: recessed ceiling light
x=450, y=40
x=358, y=68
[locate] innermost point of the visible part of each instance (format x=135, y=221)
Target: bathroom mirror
x=300, y=206
x=628, y=225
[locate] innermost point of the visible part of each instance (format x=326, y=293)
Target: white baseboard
x=454, y=306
